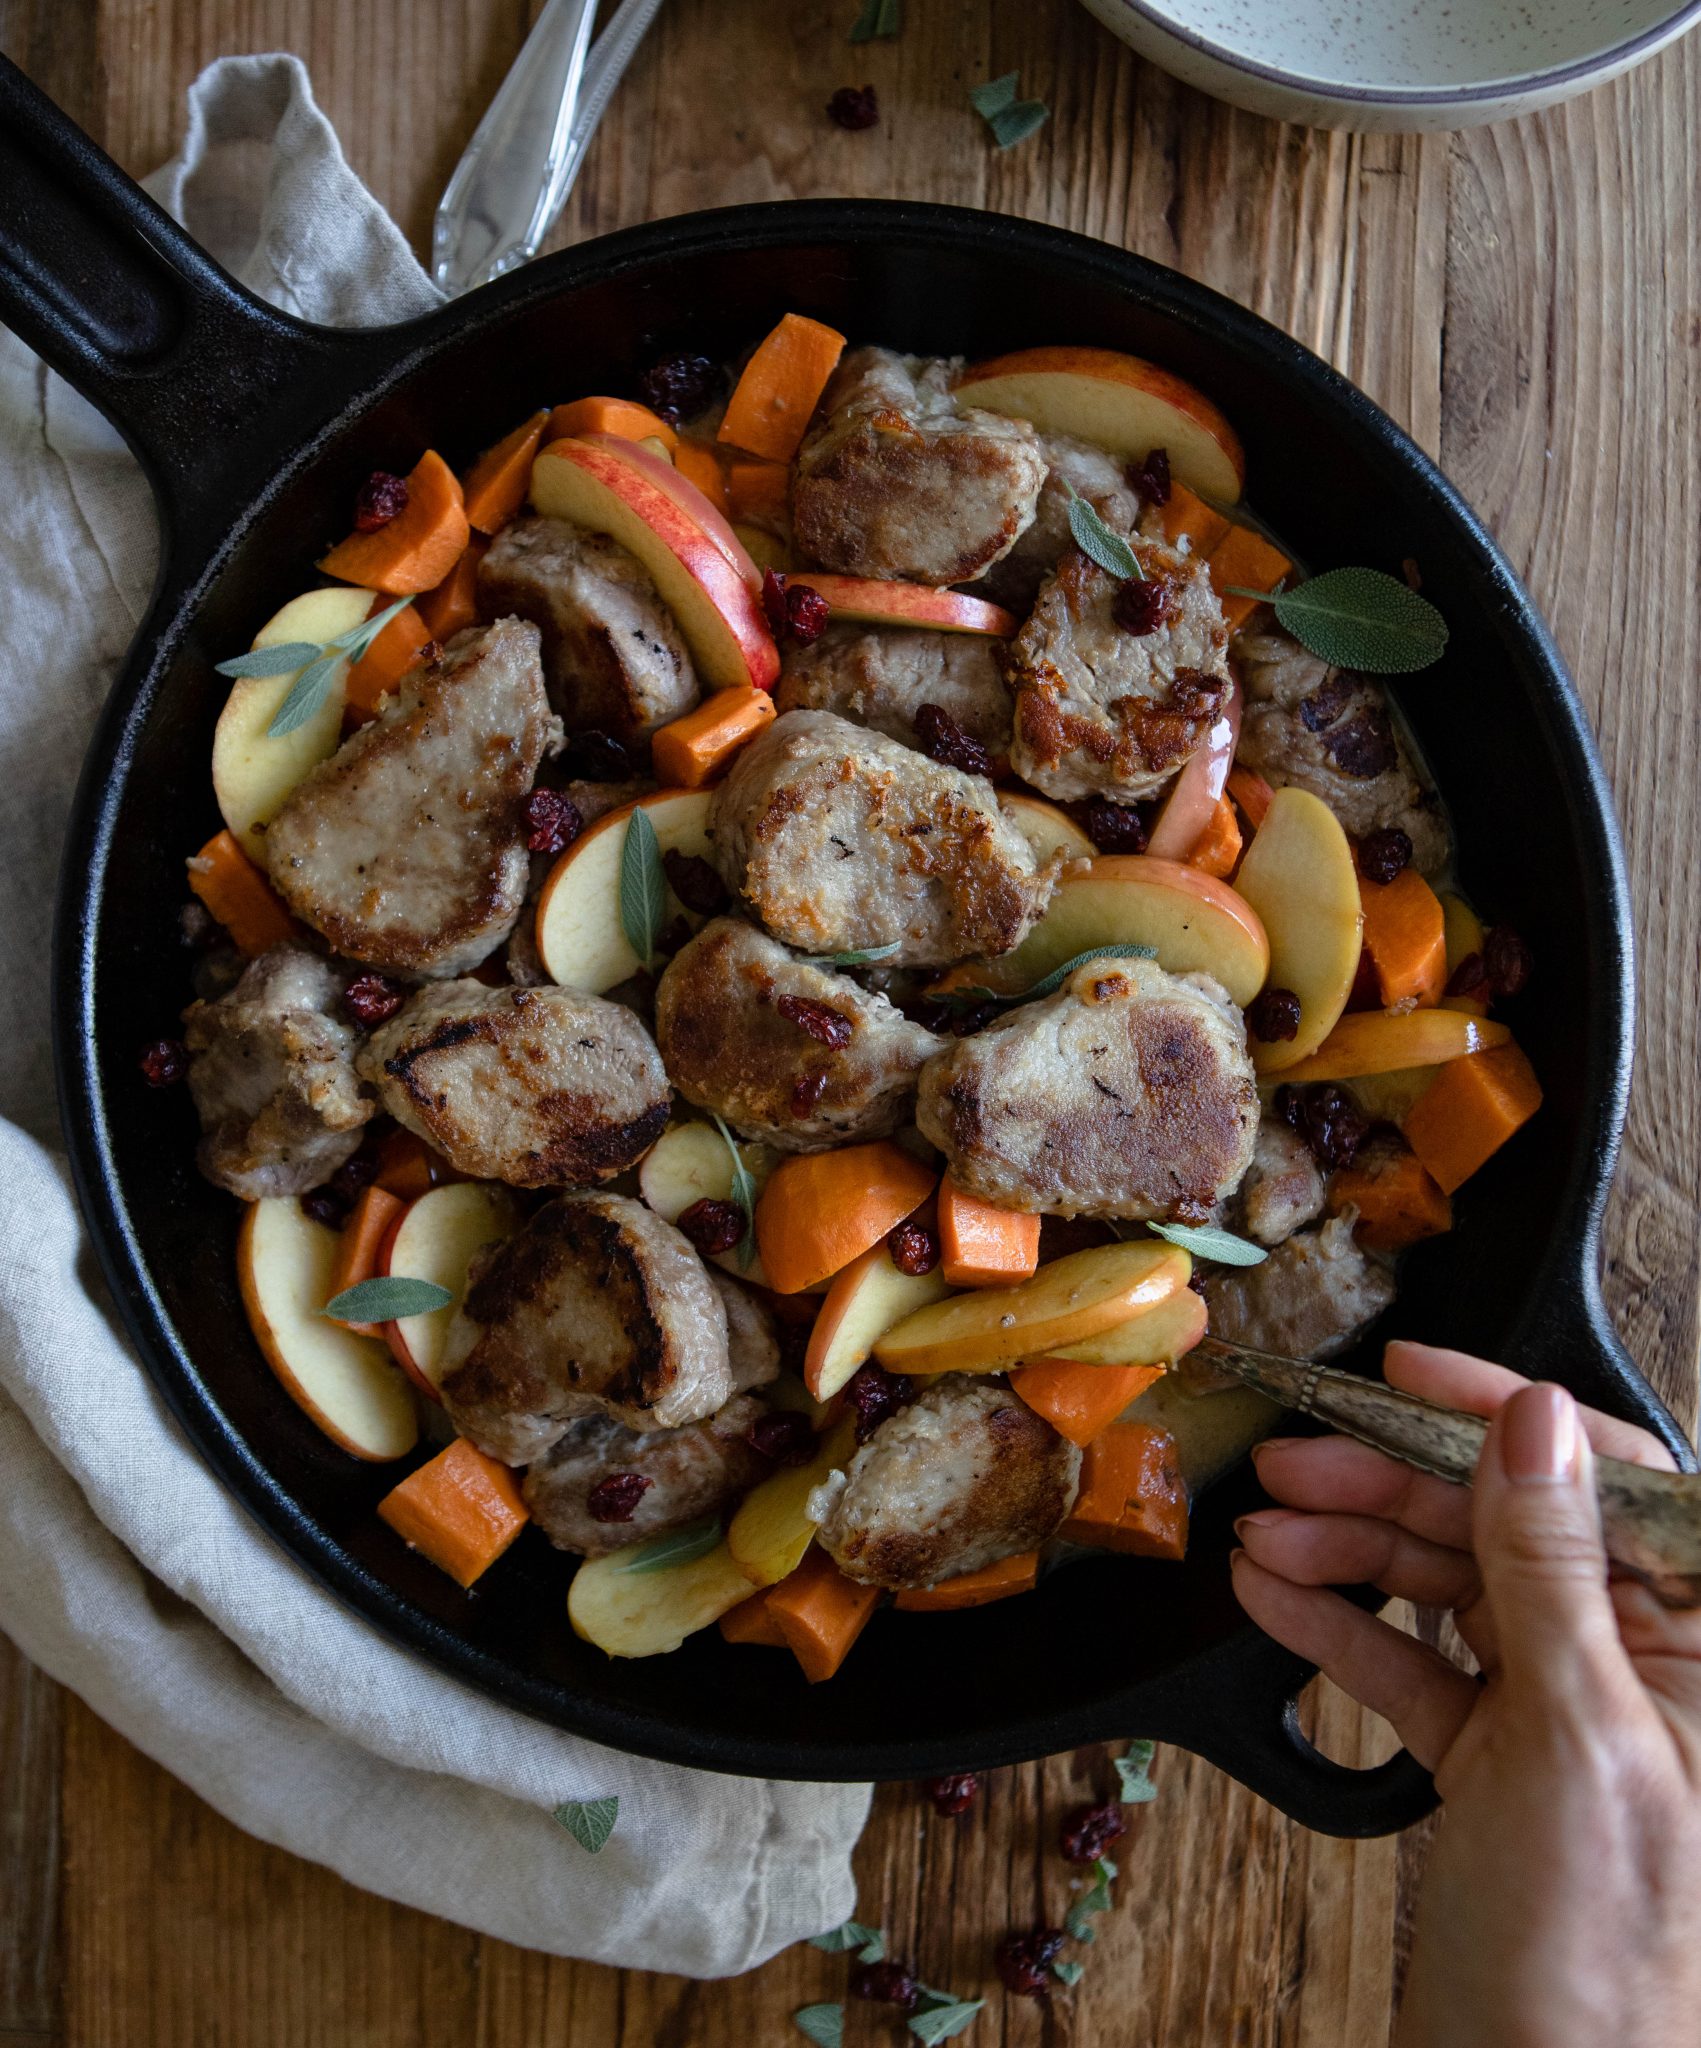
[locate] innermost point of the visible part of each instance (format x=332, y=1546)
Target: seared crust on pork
x=1128, y=1093
x=539, y=1087
x=963, y=1476
x=596, y=1307
x=407, y=848
x=839, y=839
x=729, y=1047
x=881, y=676
x=893, y=480
x=1092, y=473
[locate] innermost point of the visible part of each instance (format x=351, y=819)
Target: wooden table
x=1527, y=300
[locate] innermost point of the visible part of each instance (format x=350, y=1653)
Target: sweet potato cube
x=462, y=1510
x=1132, y=1495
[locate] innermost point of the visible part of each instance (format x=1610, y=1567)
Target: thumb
x=1536, y=1530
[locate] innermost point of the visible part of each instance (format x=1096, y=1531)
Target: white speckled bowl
x=1396, y=64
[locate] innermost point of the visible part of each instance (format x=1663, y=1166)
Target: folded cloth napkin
x=125, y=1570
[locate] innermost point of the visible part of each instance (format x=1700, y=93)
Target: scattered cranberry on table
x=1024, y=1961
x=615, y=1498
x=1089, y=1832
x=163, y=1062
x=953, y=1795
x=887, y=1983
x=854, y=107
x=381, y=498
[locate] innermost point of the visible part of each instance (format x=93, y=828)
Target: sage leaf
x=1079, y=1920
x=852, y=1935
x=643, y=887
x=306, y=694
x=878, y=19
x=1359, y=618
x=1132, y=1769
x=1206, y=1241
x=589, y=1821
x=995, y=95
x=1016, y=123
x=743, y=1196
x=859, y=956
x=1095, y=539
x=823, y=2024
x=1068, y=1973
x=360, y=637
x=678, y=1546
x=269, y=661
x=386, y=1299
x=944, y=2022
x=1059, y=975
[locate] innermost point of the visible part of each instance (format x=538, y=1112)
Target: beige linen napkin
x=125, y=1570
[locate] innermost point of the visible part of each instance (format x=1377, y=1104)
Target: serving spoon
x=1651, y=1520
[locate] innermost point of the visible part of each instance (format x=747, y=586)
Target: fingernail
x=1277, y=1443
x=1540, y=1435
x=1262, y=1518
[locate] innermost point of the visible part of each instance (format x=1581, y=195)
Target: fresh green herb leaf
x=1078, y=1926
x=269, y=661
x=1015, y=124
x=1359, y=618
x=1068, y=1973
x=879, y=18
x=944, y=2022
x=1094, y=538
x=678, y=1546
x=995, y=95
x=823, y=2024
x=386, y=1300
x=643, y=887
x=306, y=694
x=1206, y=1241
x=1079, y=1920
x=873, y=1950
x=851, y=1935
x=1133, y=1770
x=360, y=637
x=859, y=956
x=1059, y=975
x=589, y=1821
x=743, y=1195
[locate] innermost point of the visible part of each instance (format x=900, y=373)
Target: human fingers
x=1410, y=1685
x=1332, y=1474
x=1352, y=1550
x=1457, y=1380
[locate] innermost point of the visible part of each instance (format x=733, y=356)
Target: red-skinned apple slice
x=612, y=490
x=1121, y=402
x=349, y=1385
x=863, y=1303
x=659, y=468
x=1193, y=794
x=580, y=939
x=869, y=600
x=436, y=1238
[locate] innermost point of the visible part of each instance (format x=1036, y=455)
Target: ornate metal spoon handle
x=1651, y=1520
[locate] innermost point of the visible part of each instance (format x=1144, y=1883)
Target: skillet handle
x=199, y=376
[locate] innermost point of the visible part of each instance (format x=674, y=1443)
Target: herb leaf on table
x=589, y=1821
x=1010, y=119
x=879, y=19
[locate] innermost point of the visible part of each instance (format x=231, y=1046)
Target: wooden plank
x=29, y=1850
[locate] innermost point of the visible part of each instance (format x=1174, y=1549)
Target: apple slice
x=1157, y=1336
x=659, y=467
x=579, y=935
x=616, y=489
x=253, y=774
x=437, y=1237
x=1121, y=402
x=1299, y=877
x=1046, y=828
x=1194, y=792
x=689, y=1163
x=861, y=1305
x=871, y=601
x=1391, y=1041
x=647, y=1613
x=350, y=1386
x=772, y=1529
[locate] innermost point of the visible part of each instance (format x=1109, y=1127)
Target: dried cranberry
x=1114, y=828
x=1273, y=1014
x=1470, y=979
x=553, y=821
x=854, y=106
x=711, y=1226
x=379, y=500
x=968, y=1018
x=1151, y=479
x=1024, y=1961
x=887, y=1983
x=695, y=882
x=945, y=741
x=1142, y=604
x=324, y=1206
x=163, y=1062
x=1364, y=747
x=873, y=1394
x=597, y=757
x=1327, y=1118
x=613, y=1499
x=371, y=998
x=806, y=1091
x=914, y=1248
x=824, y=1024
x=353, y=1175
x=1384, y=855
x=774, y=602
x=954, y=1795
x=679, y=386
x=672, y=937
x=807, y=614
x=1089, y=1832
x=783, y=1436
x=1506, y=960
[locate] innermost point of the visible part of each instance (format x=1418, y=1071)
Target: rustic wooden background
x=1527, y=300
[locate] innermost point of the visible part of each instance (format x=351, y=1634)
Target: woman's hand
x=1562, y=1906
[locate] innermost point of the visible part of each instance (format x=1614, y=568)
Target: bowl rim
x=1579, y=71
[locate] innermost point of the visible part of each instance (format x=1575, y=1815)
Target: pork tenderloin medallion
x=407, y=848
x=613, y=657
x=690, y=1472
x=894, y=480
x=1112, y=700
x=595, y=1307
x=272, y=1074
x=1283, y=1189
x=538, y=1087
x=965, y=1475
x=1129, y=1093
x=838, y=840
x=881, y=676
x=1312, y=1297
x=787, y=1052
x=1091, y=473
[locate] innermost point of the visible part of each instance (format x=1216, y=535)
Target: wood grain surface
x=1527, y=300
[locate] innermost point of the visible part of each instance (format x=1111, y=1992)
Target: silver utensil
x=513, y=180
x=1651, y=1520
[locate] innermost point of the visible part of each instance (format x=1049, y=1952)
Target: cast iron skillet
x=256, y=430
